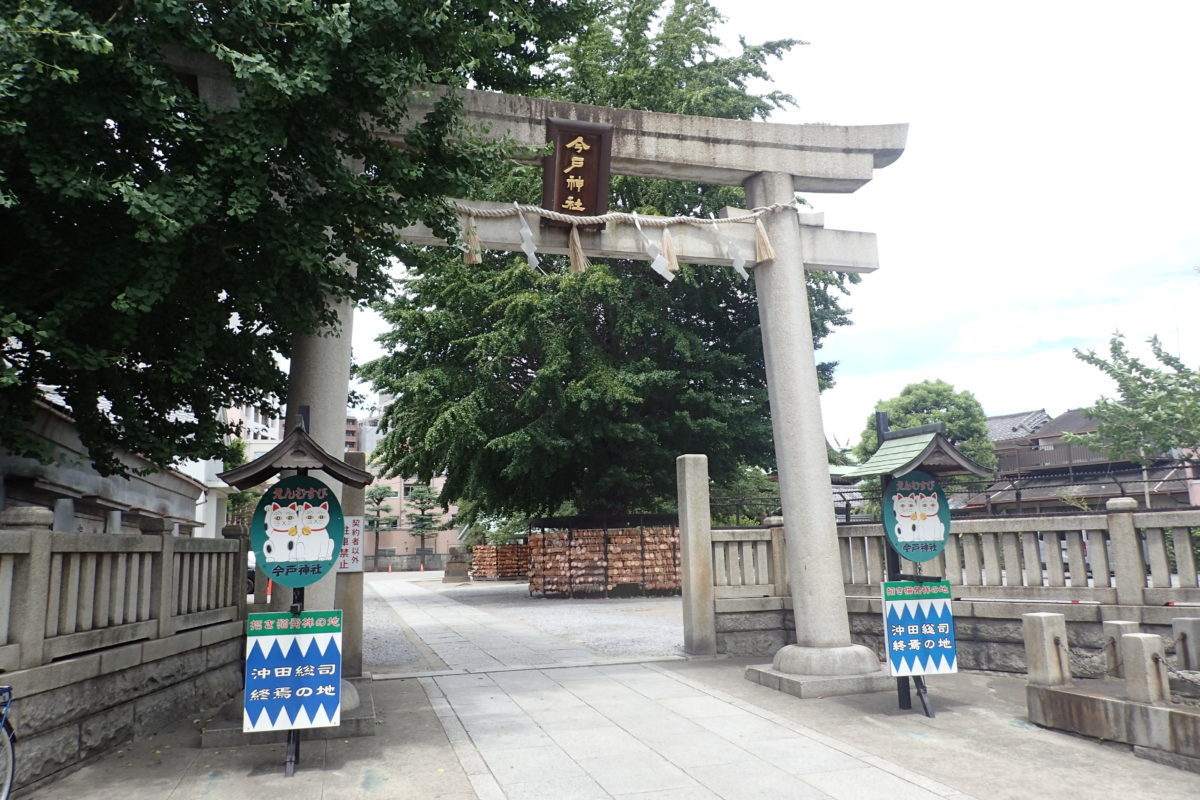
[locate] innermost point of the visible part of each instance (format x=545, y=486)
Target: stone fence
x=1141, y=704
x=1125, y=565
x=104, y=637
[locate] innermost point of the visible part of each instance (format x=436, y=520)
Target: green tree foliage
x=751, y=495
x=493, y=530
x=240, y=505
x=529, y=390
x=1156, y=412
x=422, y=521
x=157, y=249
x=929, y=402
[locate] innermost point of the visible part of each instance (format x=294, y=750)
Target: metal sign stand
x=903, y=692
x=299, y=452
x=292, y=755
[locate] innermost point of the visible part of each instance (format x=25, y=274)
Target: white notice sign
x=351, y=557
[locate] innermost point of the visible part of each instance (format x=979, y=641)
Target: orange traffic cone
x=422, y=567
x=389, y=569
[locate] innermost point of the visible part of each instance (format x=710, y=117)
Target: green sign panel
x=916, y=516
x=296, y=531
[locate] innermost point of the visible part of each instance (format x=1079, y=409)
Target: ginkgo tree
x=161, y=241
x=1155, y=413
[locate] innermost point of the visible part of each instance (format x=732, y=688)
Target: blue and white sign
x=918, y=628
x=293, y=671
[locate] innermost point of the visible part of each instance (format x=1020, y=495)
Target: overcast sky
x=1048, y=196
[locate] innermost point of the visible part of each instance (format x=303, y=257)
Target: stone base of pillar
x=853, y=659
x=814, y=686
x=823, y=671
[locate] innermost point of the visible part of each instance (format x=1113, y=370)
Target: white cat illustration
x=281, y=533
x=315, y=542
x=907, y=517
x=930, y=528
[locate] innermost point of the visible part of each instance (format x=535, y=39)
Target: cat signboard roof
x=297, y=451
x=925, y=448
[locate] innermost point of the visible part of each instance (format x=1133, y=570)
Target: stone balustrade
x=109, y=636
x=63, y=594
x=1121, y=565
x=1138, y=707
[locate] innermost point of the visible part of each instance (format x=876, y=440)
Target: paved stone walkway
x=495, y=708
x=527, y=721
x=468, y=639
x=638, y=732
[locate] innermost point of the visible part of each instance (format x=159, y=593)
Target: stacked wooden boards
x=500, y=562
x=599, y=561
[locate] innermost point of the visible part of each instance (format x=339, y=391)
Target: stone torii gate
x=773, y=162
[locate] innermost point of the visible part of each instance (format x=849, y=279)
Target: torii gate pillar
x=823, y=645
x=318, y=380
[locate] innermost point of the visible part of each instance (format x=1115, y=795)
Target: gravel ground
x=628, y=626
x=612, y=627
x=385, y=644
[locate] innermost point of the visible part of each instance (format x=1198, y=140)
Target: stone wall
x=381, y=562
x=71, y=710
x=989, y=637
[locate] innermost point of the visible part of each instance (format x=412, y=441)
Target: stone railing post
x=1186, y=631
x=64, y=515
x=1112, y=631
x=1146, y=678
x=31, y=583
x=695, y=556
x=242, y=536
x=1047, y=659
x=779, y=569
x=1129, y=566
x=162, y=588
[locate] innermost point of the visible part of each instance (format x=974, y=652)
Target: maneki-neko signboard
x=297, y=531
x=916, y=516
x=576, y=171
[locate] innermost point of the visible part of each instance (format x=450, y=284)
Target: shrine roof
x=929, y=451
x=297, y=451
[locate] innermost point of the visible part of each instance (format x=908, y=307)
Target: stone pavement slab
x=632, y=745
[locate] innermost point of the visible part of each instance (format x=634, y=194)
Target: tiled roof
x=1016, y=426
x=1073, y=421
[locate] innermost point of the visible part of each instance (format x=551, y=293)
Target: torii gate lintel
x=822, y=248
